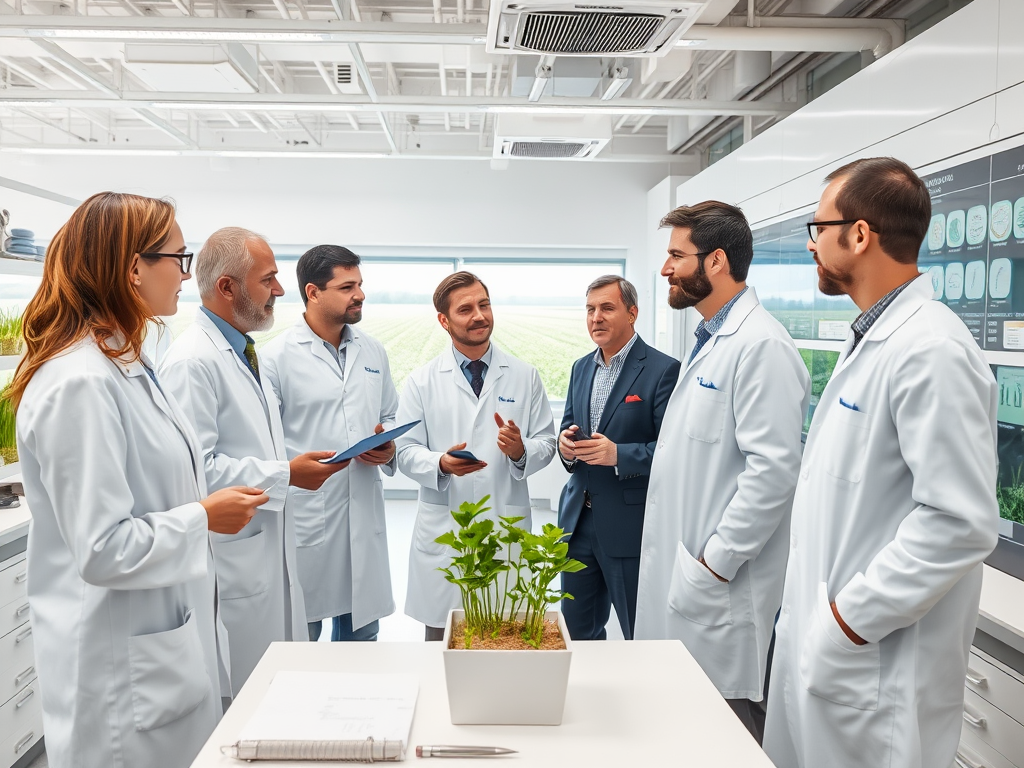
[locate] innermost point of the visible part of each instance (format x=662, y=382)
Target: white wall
x=956, y=87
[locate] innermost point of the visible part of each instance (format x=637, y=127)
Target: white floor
x=398, y=627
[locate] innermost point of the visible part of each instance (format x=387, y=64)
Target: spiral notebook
x=340, y=716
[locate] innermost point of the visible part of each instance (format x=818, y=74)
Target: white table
x=628, y=702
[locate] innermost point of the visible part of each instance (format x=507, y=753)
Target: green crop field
x=551, y=338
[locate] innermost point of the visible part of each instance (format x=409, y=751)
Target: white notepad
x=335, y=707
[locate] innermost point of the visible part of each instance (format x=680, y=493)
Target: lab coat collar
x=903, y=307
x=743, y=307
x=207, y=325
x=305, y=335
x=499, y=362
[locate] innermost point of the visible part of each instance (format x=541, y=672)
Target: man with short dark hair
x=334, y=385
x=613, y=411
x=717, y=521
x=895, y=508
x=473, y=397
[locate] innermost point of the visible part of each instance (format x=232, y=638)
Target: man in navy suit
x=613, y=411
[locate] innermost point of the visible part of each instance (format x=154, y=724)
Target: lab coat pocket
x=168, y=675
x=310, y=516
x=431, y=521
x=835, y=668
x=705, y=418
x=242, y=566
x=847, y=442
x=695, y=594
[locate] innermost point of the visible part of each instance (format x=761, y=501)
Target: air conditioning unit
x=626, y=28
x=346, y=78
x=550, y=137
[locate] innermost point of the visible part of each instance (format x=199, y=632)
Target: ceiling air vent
x=551, y=137
x=587, y=33
x=547, y=149
x=346, y=78
x=627, y=28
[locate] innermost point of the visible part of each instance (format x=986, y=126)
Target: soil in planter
x=510, y=638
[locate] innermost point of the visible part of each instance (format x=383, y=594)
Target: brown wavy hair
x=86, y=288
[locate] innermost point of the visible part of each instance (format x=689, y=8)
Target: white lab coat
x=440, y=396
x=242, y=444
x=721, y=488
x=121, y=581
x=340, y=529
x=894, y=512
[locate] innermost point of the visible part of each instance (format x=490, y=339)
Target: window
x=539, y=313
x=729, y=143
x=828, y=75
x=15, y=292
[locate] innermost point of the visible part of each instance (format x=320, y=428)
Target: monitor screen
x=1009, y=554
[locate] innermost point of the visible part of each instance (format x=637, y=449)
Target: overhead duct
x=186, y=68
x=571, y=77
x=549, y=137
x=810, y=35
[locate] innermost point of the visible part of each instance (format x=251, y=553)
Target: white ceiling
x=260, y=78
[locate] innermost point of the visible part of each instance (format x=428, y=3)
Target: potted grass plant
x=8, y=443
x=506, y=629
x=10, y=332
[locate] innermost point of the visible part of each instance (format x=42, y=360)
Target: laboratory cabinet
x=21, y=715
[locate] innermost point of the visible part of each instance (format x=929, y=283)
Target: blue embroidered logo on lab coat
x=506, y=400
x=371, y=370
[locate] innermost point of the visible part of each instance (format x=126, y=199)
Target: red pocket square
x=633, y=398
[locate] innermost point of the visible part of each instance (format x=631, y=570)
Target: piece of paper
x=468, y=455
x=334, y=706
x=369, y=443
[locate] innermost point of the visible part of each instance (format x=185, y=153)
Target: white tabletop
x=627, y=702
x=13, y=522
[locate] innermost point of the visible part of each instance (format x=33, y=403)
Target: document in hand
x=369, y=443
x=324, y=709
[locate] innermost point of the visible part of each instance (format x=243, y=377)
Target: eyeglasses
x=184, y=259
x=698, y=255
x=814, y=227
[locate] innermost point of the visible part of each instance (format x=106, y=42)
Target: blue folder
x=369, y=443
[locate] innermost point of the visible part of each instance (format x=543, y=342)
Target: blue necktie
x=477, y=368
x=702, y=339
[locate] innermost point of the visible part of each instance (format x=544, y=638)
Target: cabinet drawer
x=996, y=686
x=13, y=575
x=994, y=727
x=13, y=615
x=972, y=752
x=21, y=710
x=17, y=662
x=21, y=740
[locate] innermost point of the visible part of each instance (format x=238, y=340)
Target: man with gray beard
x=214, y=372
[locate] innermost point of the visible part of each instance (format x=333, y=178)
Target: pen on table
x=457, y=751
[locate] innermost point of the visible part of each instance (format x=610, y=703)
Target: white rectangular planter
x=506, y=687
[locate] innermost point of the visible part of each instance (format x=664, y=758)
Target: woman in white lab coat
x=120, y=579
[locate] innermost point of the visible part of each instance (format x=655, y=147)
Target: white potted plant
x=506, y=630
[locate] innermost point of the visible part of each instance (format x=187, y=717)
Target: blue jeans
x=343, y=632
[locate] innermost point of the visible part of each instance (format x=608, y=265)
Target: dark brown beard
x=689, y=290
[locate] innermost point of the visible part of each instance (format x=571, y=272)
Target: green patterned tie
x=250, y=357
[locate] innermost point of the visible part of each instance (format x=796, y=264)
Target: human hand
x=510, y=439
x=382, y=454
x=308, y=473
x=459, y=467
x=703, y=562
x=598, y=451
x=566, y=445
x=230, y=509
x=854, y=637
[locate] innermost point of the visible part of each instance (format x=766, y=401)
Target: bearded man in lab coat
x=213, y=371
x=472, y=396
x=895, y=509
x=714, y=547
x=335, y=388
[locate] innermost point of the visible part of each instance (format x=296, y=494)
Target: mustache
x=478, y=326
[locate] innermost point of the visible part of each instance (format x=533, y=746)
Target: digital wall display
x=786, y=278
x=974, y=250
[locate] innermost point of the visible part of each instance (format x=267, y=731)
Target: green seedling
x=502, y=572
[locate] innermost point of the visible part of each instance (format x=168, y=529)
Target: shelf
x=20, y=267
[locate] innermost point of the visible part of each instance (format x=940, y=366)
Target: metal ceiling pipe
x=806, y=39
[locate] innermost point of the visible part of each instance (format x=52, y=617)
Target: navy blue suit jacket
x=618, y=500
